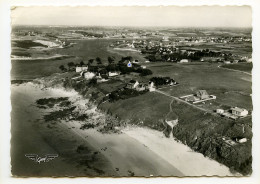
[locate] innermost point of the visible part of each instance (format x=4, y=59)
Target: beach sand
x=135, y=152
x=181, y=156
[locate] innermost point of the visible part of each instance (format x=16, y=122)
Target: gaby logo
x=38, y=159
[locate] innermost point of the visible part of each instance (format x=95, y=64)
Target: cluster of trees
x=124, y=94
x=159, y=81
x=71, y=66
x=121, y=66
x=126, y=70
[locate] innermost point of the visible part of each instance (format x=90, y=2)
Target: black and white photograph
x=131, y=91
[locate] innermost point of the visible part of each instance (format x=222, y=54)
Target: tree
x=110, y=60
x=90, y=61
x=145, y=72
x=70, y=64
x=62, y=68
x=93, y=82
x=98, y=60
x=82, y=63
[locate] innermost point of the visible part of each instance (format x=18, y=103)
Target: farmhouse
x=239, y=111
x=112, y=74
x=132, y=84
x=151, y=86
x=88, y=75
x=81, y=68
x=220, y=111
x=140, y=87
x=227, y=62
x=184, y=61
x=202, y=94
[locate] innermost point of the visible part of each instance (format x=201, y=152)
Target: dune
x=188, y=162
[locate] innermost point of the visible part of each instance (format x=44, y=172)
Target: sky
x=166, y=16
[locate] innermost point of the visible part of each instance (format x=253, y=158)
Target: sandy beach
x=134, y=152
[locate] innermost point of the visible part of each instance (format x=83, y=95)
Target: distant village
x=180, y=50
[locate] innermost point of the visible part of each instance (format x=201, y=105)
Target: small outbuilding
x=81, y=68
x=239, y=111
x=184, y=61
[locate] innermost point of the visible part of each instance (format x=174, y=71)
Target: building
x=202, y=94
x=151, y=86
x=143, y=67
x=220, y=111
x=239, y=111
x=184, y=61
x=140, y=87
x=112, y=74
x=81, y=68
x=89, y=75
x=191, y=98
x=171, y=119
x=249, y=60
x=132, y=84
x=172, y=82
x=227, y=62
x=129, y=64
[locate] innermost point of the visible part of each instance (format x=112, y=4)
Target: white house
x=220, y=111
x=151, y=86
x=239, y=111
x=81, y=68
x=112, y=74
x=140, y=87
x=227, y=62
x=147, y=61
x=249, y=60
x=143, y=67
x=89, y=75
x=184, y=61
x=132, y=84
x=135, y=84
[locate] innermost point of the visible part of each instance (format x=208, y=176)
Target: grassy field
x=201, y=131
x=231, y=88
x=245, y=67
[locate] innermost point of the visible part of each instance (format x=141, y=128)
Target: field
x=231, y=88
x=244, y=67
x=202, y=131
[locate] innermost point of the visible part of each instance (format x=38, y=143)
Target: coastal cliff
x=210, y=135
